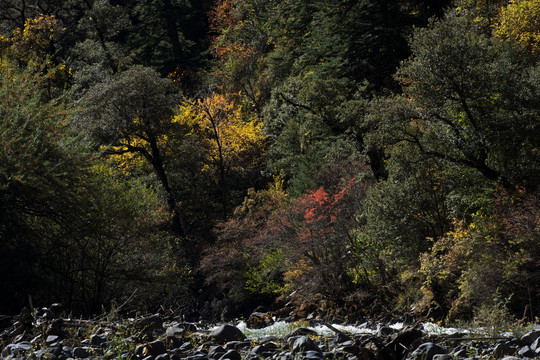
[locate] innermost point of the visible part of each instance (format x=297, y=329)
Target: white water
x=280, y=328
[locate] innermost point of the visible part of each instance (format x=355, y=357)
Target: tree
x=519, y=22
x=231, y=140
x=69, y=231
x=169, y=35
x=467, y=100
x=131, y=114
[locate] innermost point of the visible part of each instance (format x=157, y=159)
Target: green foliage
x=71, y=230
x=467, y=101
x=267, y=276
x=459, y=270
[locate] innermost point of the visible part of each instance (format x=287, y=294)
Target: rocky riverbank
x=47, y=335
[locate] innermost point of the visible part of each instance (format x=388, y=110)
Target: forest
x=208, y=157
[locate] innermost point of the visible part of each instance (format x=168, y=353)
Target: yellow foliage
x=520, y=22
x=127, y=161
x=32, y=43
x=230, y=138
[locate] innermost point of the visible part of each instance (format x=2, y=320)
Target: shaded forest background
x=364, y=156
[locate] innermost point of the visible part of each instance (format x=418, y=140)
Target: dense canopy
x=210, y=157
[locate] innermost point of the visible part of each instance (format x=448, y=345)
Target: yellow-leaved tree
x=519, y=21
x=232, y=140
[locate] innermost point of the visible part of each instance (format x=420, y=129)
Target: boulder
x=259, y=320
x=530, y=337
x=81, y=352
x=303, y=343
x=502, y=350
x=313, y=355
x=226, y=333
x=215, y=352
x=400, y=343
x=97, y=340
x=427, y=351
x=526, y=352
x=231, y=355
x=154, y=348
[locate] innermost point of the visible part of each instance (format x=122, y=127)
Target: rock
x=401, y=342
x=442, y=357
x=81, y=352
x=226, y=333
x=526, y=352
x=464, y=351
x=215, y=352
x=535, y=344
x=265, y=350
x=385, y=331
x=427, y=351
x=350, y=349
x=342, y=338
x=97, y=340
x=186, y=346
x=163, y=357
x=259, y=320
x=269, y=338
x=502, y=350
x=365, y=354
x=173, y=342
x=154, y=348
x=56, y=327
x=530, y=337
x=231, y=355
x=16, y=349
x=303, y=343
x=313, y=355
x=174, y=330
x=52, y=339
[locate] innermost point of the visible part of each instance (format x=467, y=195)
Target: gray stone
x=231, y=355
x=269, y=338
x=342, y=339
x=442, y=357
x=52, y=339
x=259, y=320
x=303, y=343
x=81, y=352
x=237, y=345
x=186, y=346
x=174, y=330
x=313, y=355
x=163, y=357
x=535, y=344
x=464, y=351
x=502, y=350
x=226, y=333
x=401, y=342
x=16, y=349
x=530, y=337
x=215, y=352
x=97, y=340
x=526, y=352
x=427, y=351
